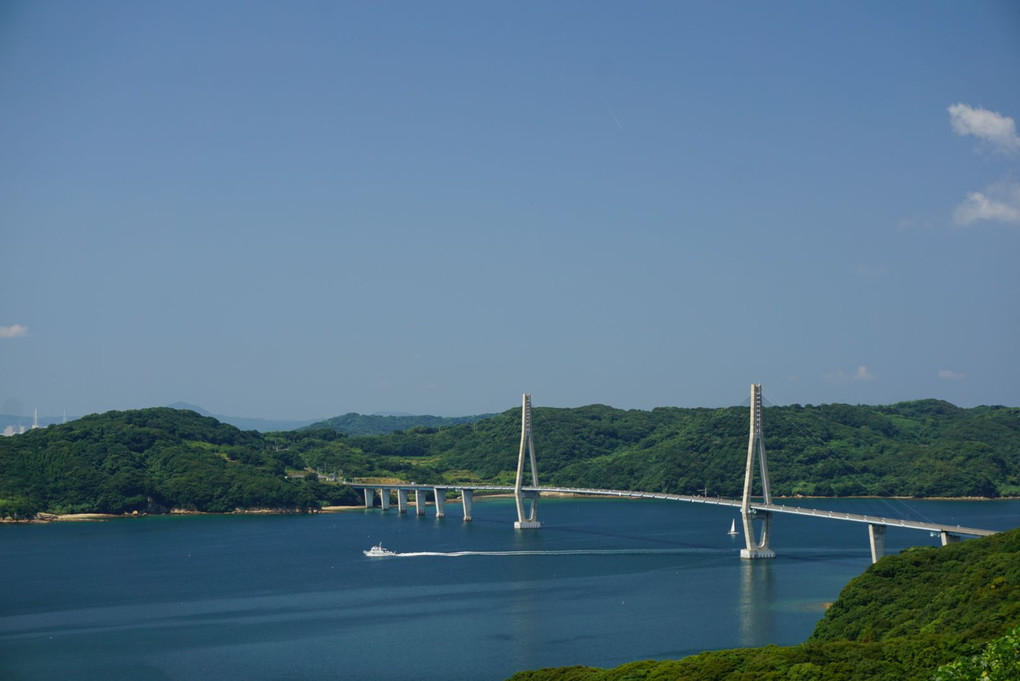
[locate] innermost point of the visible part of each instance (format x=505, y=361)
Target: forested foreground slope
x=902, y=619
x=156, y=459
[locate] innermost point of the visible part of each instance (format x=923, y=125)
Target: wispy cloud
x=998, y=131
x=13, y=331
x=997, y=203
x=948, y=375
x=840, y=377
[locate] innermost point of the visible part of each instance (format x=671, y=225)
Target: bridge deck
x=718, y=501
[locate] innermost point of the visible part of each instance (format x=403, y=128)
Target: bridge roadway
x=467, y=492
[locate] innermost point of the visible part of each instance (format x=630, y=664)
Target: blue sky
x=297, y=210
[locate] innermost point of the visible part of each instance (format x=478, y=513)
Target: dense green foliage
x=964, y=591
x=377, y=424
x=903, y=618
x=149, y=460
x=999, y=661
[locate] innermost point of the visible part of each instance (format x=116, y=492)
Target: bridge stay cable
x=885, y=496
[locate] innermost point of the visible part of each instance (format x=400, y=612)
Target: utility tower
x=529, y=521
x=756, y=547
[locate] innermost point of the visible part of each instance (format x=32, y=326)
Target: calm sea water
x=292, y=597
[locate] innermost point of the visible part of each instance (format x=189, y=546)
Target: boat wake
x=566, y=552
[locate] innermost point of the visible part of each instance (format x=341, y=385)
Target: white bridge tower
x=756, y=547
x=530, y=520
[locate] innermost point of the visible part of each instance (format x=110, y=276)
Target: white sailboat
x=733, y=527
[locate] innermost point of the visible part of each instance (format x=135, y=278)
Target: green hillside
x=377, y=424
x=149, y=460
x=154, y=459
x=899, y=621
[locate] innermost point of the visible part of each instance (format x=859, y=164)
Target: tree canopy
x=146, y=460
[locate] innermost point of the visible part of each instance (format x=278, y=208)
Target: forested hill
x=378, y=424
x=150, y=460
x=153, y=459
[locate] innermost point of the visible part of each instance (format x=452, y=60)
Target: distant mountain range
x=349, y=424
x=384, y=424
x=245, y=422
x=16, y=423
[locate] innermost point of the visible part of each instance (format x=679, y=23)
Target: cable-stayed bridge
x=756, y=514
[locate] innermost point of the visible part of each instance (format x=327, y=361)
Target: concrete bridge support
x=527, y=512
x=419, y=501
x=466, y=497
x=401, y=501
x=756, y=547
x=757, y=542
x=876, y=535
x=384, y=498
x=948, y=538
x=369, y=497
x=529, y=520
x=440, y=502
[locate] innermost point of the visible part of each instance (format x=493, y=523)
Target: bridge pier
x=419, y=501
x=369, y=497
x=756, y=548
x=466, y=497
x=948, y=538
x=876, y=537
x=529, y=520
x=401, y=501
x=440, y=502
x=384, y=498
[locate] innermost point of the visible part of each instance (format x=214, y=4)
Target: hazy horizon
x=55, y=418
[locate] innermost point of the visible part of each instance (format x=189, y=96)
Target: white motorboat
x=378, y=551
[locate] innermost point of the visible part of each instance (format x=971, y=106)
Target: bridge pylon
x=529, y=520
x=757, y=545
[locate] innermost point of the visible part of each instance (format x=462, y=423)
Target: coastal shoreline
x=43, y=518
